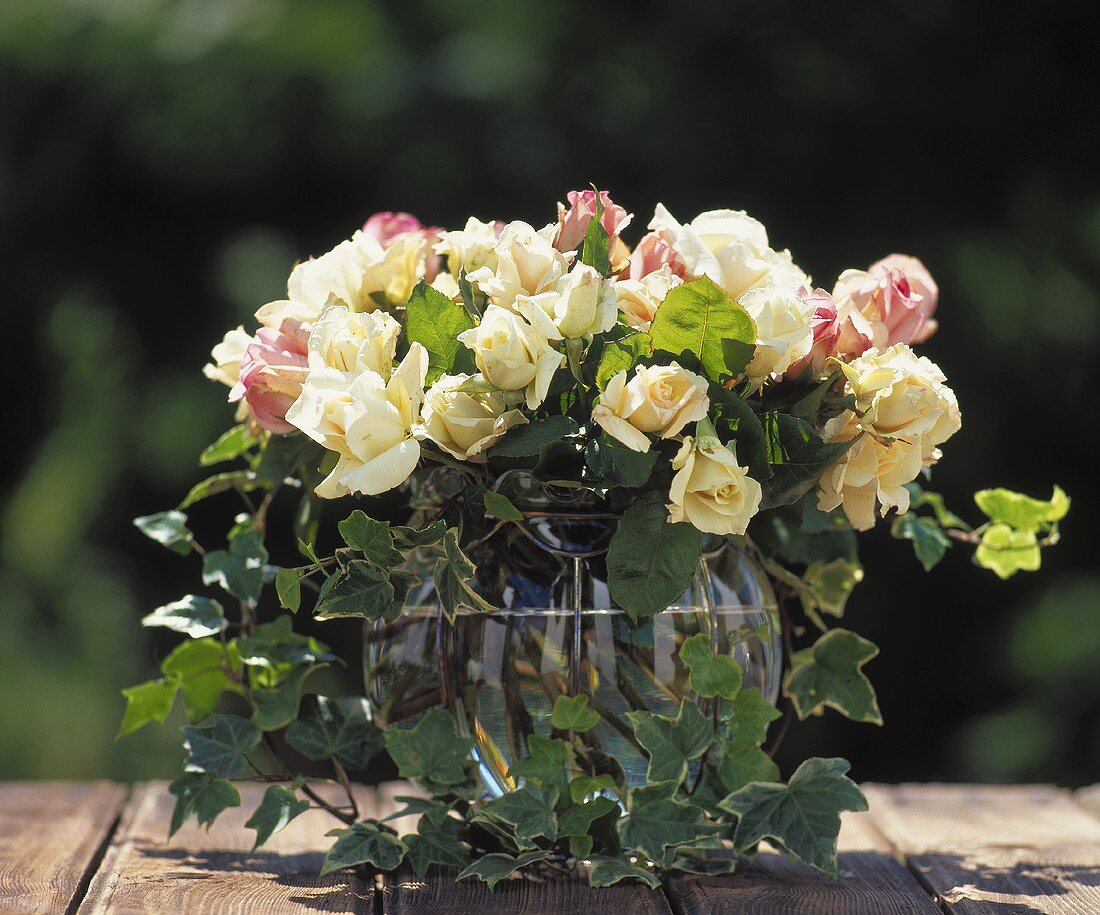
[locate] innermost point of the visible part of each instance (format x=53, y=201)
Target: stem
x=346, y=818
x=342, y=777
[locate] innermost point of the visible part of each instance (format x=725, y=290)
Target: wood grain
x=1089, y=798
x=871, y=883
x=199, y=871
x=995, y=850
x=51, y=837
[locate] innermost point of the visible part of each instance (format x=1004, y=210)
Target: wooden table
x=101, y=848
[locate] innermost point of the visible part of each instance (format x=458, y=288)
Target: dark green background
x=162, y=164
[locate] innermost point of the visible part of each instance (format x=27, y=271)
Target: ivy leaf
x=150, y=701
x=337, y=727
x=742, y=762
x=830, y=584
x=671, y=742
x=500, y=506
x=240, y=570
x=1006, y=551
x=276, y=647
x=191, y=615
x=434, y=321
x=656, y=825
x=698, y=317
x=749, y=715
x=453, y=571
x=204, y=669
x=530, y=810
x=594, y=250
x=546, y=762
x=919, y=497
x=1020, y=512
x=620, y=356
x=219, y=748
x=203, y=795
x=230, y=445
x=277, y=705
x=583, y=785
x=169, y=529
x=530, y=439
x=288, y=586
x=436, y=841
x=571, y=713
x=360, y=590
x=364, y=843
x=410, y=537
x=711, y=674
x=733, y=414
x=431, y=750
x=830, y=674
x=802, y=818
x=244, y=480
x=283, y=455
x=372, y=538
x=650, y=562
x=279, y=806
x=604, y=871
x=616, y=464
x=929, y=541
x=578, y=819
x=498, y=866
x=798, y=457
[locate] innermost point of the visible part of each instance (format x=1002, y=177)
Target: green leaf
x=231, y=444
x=244, y=480
x=749, y=715
x=802, y=818
x=191, y=615
x=453, y=572
x=578, y=819
x=337, y=727
x=583, y=785
x=410, y=537
x=360, y=590
x=434, y=321
x=1020, y=512
x=364, y=843
x=169, y=529
x=733, y=414
x=277, y=705
x=650, y=562
x=621, y=355
x=1006, y=551
x=276, y=647
x=373, y=538
x=498, y=866
x=204, y=669
x=743, y=762
x=831, y=674
x=201, y=795
x=500, y=506
x=616, y=464
x=546, y=762
x=219, y=748
x=240, y=570
x=288, y=585
x=436, y=841
x=594, y=250
x=700, y=318
x=531, y=438
x=918, y=498
x=929, y=541
x=671, y=742
x=530, y=810
x=711, y=674
x=798, y=457
x=830, y=584
x=656, y=825
x=150, y=701
x=571, y=713
x=283, y=455
x=279, y=806
x=604, y=871
x=432, y=749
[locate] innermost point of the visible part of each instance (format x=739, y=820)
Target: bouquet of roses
x=698, y=383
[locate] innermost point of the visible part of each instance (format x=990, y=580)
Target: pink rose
x=653, y=253
x=917, y=324
x=573, y=222
x=897, y=295
x=386, y=228
x=839, y=332
x=272, y=371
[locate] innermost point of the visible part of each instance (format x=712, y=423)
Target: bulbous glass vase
x=559, y=632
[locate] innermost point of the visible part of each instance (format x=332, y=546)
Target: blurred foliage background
x=164, y=162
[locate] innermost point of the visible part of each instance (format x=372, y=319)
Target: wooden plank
x=995, y=850
x=1089, y=798
x=871, y=883
x=199, y=871
x=51, y=837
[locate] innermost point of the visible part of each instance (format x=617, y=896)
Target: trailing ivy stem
x=345, y=782
x=347, y=818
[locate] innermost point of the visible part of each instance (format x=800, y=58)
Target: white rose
x=527, y=264
x=900, y=395
x=638, y=300
x=784, y=333
x=469, y=249
x=466, y=424
x=872, y=470
x=731, y=248
x=711, y=490
x=581, y=304
x=514, y=352
x=354, y=342
x=368, y=421
x=659, y=400
x=448, y=285
x=226, y=357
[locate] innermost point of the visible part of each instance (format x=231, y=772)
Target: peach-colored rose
x=573, y=222
x=386, y=228
x=272, y=371
x=896, y=294
x=652, y=254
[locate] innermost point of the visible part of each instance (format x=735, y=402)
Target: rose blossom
x=526, y=264
x=225, y=364
x=272, y=371
x=783, y=331
x=573, y=222
x=711, y=490
x=466, y=424
x=639, y=299
x=652, y=254
x=843, y=333
x=659, y=400
x=897, y=295
x=387, y=227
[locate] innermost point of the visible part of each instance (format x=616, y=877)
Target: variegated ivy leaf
x=830, y=674
x=670, y=742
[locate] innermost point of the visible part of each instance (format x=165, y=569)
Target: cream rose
x=514, y=352
x=527, y=263
x=466, y=424
x=711, y=490
x=353, y=342
x=784, y=330
x=659, y=400
x=871, y=471
x=225, y=364
x=581, y=304
x=471, y=248
x=370, y=423
x=902, y=396
x=639, y=299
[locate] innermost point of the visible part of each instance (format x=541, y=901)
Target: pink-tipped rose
x=652, y=254
x=272, y=371
x=386, y=228
x=840, y=332
x=897, y=295
x=573, y=222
